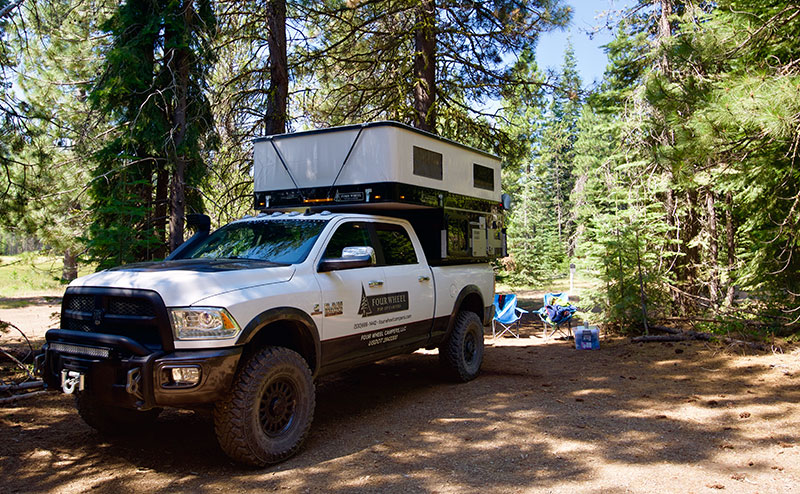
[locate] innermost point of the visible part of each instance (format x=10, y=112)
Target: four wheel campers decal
x=383, y=336
x=374, y=305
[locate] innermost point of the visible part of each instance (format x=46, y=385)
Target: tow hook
x=133, y=383
x=38, y=365
x=71, y=381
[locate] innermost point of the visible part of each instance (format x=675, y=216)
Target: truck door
x=346, y=318
x=408, y=277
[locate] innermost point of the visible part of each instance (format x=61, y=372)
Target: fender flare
x=306, y=324
x=466, y=291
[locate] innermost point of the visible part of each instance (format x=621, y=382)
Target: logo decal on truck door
x=382, y=304
x=333, y=308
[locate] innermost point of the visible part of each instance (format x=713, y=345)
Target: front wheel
x=267, y=414
x=461, y=354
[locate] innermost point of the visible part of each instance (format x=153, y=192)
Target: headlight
x=202, y=323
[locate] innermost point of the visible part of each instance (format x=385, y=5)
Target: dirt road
x=542, y=417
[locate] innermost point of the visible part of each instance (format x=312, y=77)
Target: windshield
x=278, y=241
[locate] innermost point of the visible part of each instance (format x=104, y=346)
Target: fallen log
x=15, y=398
x=749, y=344
x=679, y=336
x=746, y=322
x=665, y=329
x=22, y=386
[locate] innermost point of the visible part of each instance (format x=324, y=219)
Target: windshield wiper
x=265, y=261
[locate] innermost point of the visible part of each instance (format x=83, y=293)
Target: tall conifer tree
x=154, y=88
x=430, y=63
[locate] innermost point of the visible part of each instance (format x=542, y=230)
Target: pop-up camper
x=448, y=191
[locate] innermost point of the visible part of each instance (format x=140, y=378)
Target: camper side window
x=396, y=245
x=427, y=163
x=482, y=177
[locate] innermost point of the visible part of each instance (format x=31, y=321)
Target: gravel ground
x=542, y=417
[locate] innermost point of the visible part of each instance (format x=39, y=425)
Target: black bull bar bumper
x=118, y=371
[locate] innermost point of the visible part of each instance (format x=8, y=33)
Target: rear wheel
x=267, y=414
x=111, y=420
x=461, y=354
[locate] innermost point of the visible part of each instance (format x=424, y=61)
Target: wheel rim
x=469, y=347
x=277, y=407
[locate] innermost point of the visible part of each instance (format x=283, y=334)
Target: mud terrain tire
x=266, y=416
x=461, y=354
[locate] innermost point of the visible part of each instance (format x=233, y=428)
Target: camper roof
x=346, y=162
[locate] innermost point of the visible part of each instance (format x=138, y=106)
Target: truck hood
x=183, y=282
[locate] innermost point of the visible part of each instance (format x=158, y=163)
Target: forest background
x=673, y=184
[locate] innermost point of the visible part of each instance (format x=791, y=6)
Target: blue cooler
x=586, y=338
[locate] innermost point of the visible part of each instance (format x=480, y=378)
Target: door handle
x=424, y=278
x=375, y=283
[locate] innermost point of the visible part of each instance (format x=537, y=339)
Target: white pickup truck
x=245, y=318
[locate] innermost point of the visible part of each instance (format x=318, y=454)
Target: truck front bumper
x=119, y=371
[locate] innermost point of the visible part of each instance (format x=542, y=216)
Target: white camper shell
x=449, y=192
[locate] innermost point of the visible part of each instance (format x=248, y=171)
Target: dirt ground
x=542, y=417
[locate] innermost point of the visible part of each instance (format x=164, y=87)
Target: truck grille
x=137, y=314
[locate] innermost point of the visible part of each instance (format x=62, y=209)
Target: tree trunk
x=177, y=204
x=692, y=251
x=425, y=66
x=730, y=238
x=559, y=199
x=664, y=31
x=70, y=270
x=180, y=69
x=713, y=248
x=674, y=247
x=144, y=192
x=278, y=92
x=160, y=217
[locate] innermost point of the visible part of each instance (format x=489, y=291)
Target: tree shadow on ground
x=20, y=302
x=539, y=415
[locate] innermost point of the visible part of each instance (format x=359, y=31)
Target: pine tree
x=558, y=155
x=426, y=63
x=154, y=88
x=62, y=37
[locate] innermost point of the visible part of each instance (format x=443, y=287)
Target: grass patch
x=580, y=287
x=31, y=274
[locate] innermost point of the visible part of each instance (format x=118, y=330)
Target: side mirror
x=506, y=200
x=352, y=257
x=359, y=252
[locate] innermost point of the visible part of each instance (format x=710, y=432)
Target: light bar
x=87, y=351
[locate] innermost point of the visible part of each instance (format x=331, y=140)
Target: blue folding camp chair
x=507, y=315
x=556, y=312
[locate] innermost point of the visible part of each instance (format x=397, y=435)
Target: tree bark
x=180, y=70
x=425, y=66
x=692, y=251
x=713, y=248
x=70, y=270
x=730, y=240
x=664, y=31
x=278, y=92
x=160, y=217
